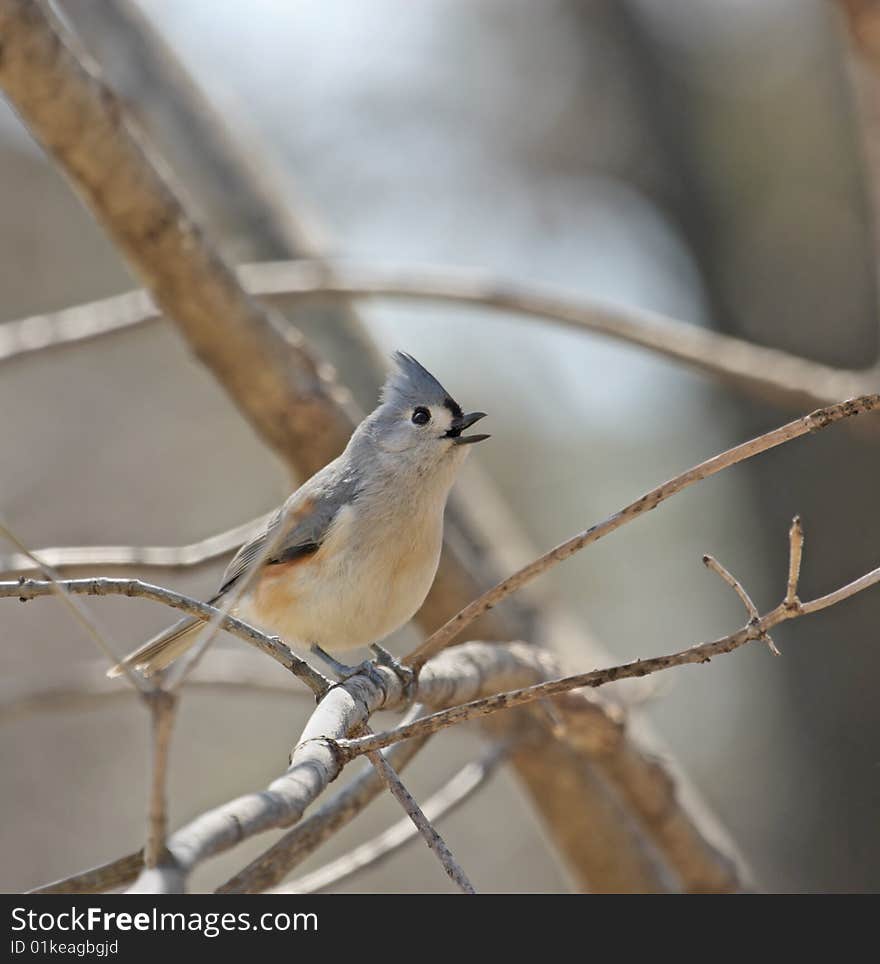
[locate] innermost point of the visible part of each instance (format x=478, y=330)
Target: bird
x=354, y=550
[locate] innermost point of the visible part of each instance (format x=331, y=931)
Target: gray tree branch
x=771, y=373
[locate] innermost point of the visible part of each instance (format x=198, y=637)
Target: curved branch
x=159, y=557
x=750, y=367
x=785, y=378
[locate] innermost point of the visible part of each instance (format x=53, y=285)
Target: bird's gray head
x=419, y=418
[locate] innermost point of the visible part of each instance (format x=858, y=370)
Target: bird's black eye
x=421, y=416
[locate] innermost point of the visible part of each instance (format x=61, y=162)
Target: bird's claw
x=382, y=657
x=342, y=671
x=403, y=672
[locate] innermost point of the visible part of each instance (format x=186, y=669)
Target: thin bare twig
x=159, y=557
x=701, y=653
x=783, y=377
x=460, y=788
x=271, y=645
x=712, y=563
x=79, y=323
x=795, y=552
x=813, y=422
x=424, y=826
x=770, y=372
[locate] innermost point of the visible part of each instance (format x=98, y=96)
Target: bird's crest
x=411, y=384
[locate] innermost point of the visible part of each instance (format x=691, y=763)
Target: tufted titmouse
x=362, y=537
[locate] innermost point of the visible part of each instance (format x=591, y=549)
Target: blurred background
x=698, y=159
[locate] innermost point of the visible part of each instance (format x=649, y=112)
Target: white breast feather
x=363, y=583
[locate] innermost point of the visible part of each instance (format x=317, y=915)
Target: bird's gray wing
x=306, y=515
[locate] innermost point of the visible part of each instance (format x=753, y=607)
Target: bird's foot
x=403, y=672
x=342, y=671
x=382, y=657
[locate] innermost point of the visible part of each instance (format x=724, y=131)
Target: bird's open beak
x=460, y=424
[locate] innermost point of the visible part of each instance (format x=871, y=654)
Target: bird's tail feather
x=161, y=650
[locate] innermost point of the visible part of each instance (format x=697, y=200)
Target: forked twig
x=814, y=422
x=701, y=653
x=712, y=563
